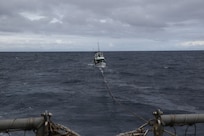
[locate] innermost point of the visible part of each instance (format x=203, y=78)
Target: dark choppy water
x=68, y=85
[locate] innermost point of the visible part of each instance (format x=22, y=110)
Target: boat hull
x=100, y=65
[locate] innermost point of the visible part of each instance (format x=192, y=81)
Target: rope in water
x=118, y=102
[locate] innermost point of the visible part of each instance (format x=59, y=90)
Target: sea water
x=68, y=85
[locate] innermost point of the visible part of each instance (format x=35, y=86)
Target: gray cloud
x=154, y=20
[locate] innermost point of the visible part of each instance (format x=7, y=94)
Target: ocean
x=78, y=94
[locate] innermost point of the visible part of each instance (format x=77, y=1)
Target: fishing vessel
x=99, y=59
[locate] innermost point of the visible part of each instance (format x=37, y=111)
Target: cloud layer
x=68, y=25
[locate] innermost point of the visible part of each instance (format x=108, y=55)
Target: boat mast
x=98, y=47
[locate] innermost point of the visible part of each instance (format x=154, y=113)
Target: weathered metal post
x=158, y=128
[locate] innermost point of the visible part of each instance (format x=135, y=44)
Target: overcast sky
x=118, y=25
